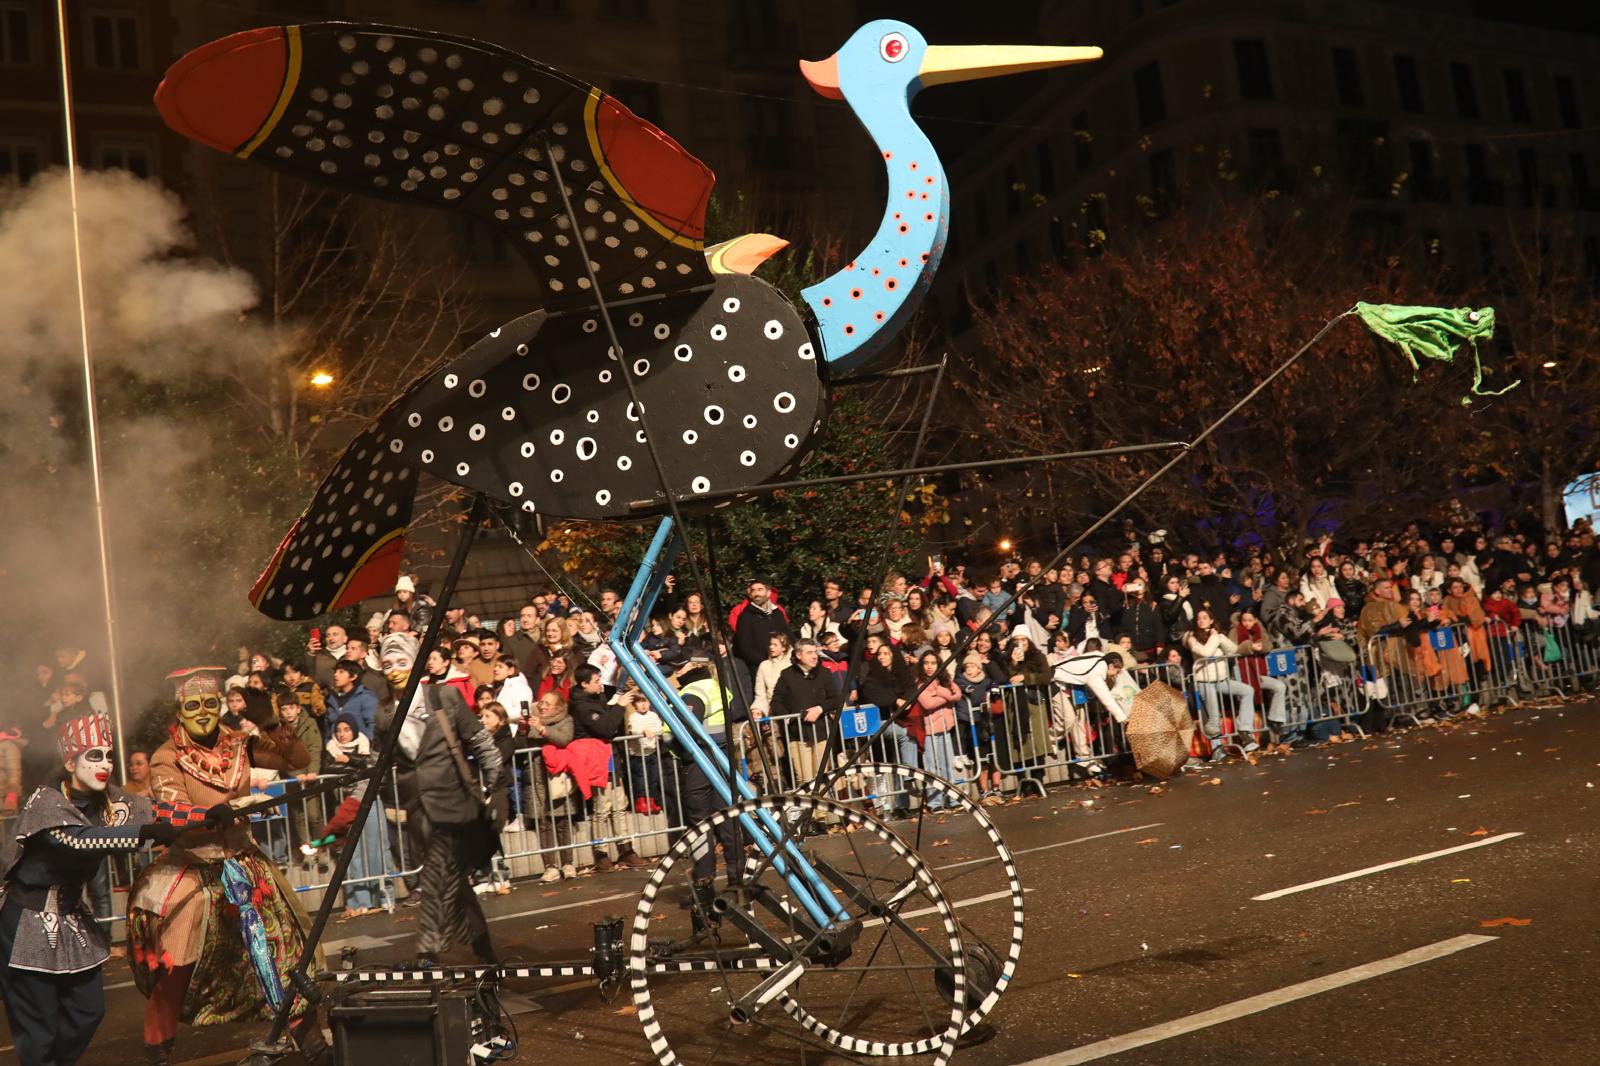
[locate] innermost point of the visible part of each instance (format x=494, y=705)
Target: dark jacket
x=798, y=689
x=593, y=717
x=755, y=629
x=440, y=791
x=882, y=688
x=1141, y=620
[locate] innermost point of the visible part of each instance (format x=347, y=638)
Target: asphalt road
x=1146, y=944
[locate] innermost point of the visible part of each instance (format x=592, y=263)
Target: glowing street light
x=1005, y=545
x=321, y=379
x=1549, y=364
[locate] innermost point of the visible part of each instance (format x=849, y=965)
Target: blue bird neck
x=860, y=309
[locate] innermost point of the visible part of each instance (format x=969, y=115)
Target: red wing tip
x=220, y=93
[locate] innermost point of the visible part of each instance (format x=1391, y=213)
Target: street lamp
x=1005, y=545
x=321, y=378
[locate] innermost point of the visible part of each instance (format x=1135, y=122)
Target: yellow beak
x=947, y=63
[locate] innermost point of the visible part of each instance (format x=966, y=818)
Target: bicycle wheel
x=973, y=865
x=738, y=969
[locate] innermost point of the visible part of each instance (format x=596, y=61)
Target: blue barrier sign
x=1442, y=639
x=1285, y=663
x=858, y=722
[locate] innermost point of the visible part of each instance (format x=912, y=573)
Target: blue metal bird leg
x=690, y=733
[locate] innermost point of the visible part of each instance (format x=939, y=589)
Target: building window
x=1425, y=182
x=1045, y=163
x=114, y=40
x=132, y=156
x=1567, y=102
x=1013, y=192
x=1517, y=97
x=1163, y=180
x=1347, y=78
x=1255, y=73
x=1408, y=85
x=1264, y=151
x=770, y=131
x=1466, y=90
x=16, y=35
x=1147, y=92
x=643, y=98
x=1583, y=195
x=1082, y=143
x=1528, y=172
x=480, y=244
x=1058, y=241
x=19, y=160
x=991, y=276
x=1482, y=190
x=1361, y=153
x=1024, y=256
x=632, y=10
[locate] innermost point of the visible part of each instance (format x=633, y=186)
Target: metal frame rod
x=298, y=981
x=890, y=375
x=916, y=471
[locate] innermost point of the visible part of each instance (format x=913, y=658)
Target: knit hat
x=403, y=583
x=1023, y=632
x=399, y=642
x=376, y=621
x=83, y=733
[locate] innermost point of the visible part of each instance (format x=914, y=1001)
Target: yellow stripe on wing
x=591, y=110
x=291, y=78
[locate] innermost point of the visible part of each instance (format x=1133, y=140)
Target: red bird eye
x=893, y=47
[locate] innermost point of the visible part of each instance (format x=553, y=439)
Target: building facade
x=1438, y=125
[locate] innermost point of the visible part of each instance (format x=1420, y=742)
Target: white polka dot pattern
x=462, y=125
x=558, y=423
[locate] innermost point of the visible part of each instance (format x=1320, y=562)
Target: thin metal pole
x=299, y=982
x=913, y=471
x=101, y=531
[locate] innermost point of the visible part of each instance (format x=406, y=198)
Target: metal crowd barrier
x=1451, y=666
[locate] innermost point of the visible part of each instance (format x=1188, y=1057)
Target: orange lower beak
x=823, y=76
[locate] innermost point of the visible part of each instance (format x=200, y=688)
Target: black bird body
x=730, y=369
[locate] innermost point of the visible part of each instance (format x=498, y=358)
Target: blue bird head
x=886, y=58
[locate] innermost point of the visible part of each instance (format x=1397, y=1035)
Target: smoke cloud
x=162, y=323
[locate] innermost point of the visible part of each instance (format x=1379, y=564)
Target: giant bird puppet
x=609, y=212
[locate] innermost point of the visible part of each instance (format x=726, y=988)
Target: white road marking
x=1057, y=844
x=1256, y=1004
x=562, y=906
x=1309, y=885
x=973, y=902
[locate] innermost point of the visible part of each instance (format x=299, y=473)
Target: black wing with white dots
x=427, y=118
x=538, y=415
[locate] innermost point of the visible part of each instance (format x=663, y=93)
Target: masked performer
x=51, y=946
x=212, y=925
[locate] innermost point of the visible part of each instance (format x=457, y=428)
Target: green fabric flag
x=1434, y=333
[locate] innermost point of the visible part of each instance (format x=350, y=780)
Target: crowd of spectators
x=933, y=650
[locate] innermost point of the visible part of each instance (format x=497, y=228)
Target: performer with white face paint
x=51, y=946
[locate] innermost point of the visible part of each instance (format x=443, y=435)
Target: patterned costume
x=212, y=924
x=51, y=944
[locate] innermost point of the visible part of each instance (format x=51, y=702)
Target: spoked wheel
x=739, y=970
x=955, y=834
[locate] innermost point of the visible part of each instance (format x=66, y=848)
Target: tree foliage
x=1166, y=327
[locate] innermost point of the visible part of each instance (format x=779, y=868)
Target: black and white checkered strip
x=105, y=842
x=640, y=967
x=952, y=794
x=475, y=973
